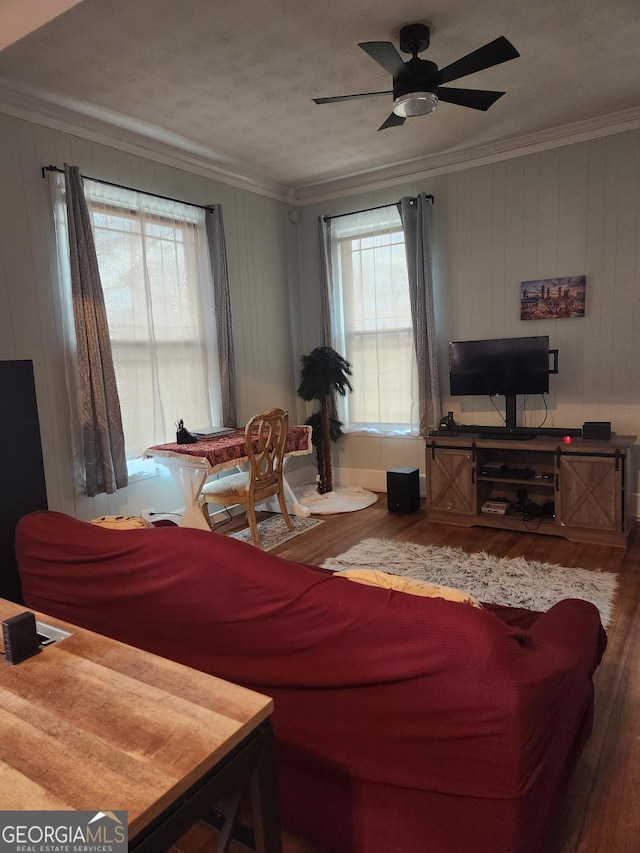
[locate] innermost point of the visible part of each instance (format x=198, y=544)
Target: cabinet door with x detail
x=450, y=481
x=591, y=491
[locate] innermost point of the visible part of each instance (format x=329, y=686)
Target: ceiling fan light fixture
x=415, y=104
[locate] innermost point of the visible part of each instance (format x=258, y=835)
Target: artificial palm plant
x=324, y=372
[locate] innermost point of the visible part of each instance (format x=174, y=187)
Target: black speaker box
x=596, y=430
x=20, y=637
x=403, y=489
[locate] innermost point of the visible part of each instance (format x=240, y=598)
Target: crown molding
x=145, y=141
x=176, y=152
x=465, y=158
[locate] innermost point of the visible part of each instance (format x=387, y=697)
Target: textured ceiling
x=231, y=82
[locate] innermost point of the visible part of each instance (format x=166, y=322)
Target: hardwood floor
x=601, y=812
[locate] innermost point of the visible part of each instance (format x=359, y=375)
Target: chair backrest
x=265, y=437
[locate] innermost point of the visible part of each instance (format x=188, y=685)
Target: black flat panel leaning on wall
x=21, y=466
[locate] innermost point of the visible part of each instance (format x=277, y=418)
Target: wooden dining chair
x=265, y=437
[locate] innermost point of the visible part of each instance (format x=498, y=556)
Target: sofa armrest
x=569, y=626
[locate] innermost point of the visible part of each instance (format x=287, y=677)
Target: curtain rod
x=132, y=189
x=368, y=209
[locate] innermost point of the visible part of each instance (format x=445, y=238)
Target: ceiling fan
x=417, y=84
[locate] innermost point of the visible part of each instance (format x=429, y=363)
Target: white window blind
x=372, y=319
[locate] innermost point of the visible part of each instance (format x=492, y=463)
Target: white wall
x=261, y=243
x=568, y=211
x=572, y=210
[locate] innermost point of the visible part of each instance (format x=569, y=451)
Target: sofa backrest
x=438, y=687
x=220, y=605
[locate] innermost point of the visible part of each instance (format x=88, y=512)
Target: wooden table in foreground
x=91, y=723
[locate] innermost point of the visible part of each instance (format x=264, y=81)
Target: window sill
x=142, y=475
x=381, y=432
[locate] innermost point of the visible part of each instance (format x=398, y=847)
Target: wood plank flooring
x=601, y=812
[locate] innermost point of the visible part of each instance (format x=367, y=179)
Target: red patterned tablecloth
x=229, y=450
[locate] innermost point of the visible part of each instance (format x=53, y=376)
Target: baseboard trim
x=368, y=478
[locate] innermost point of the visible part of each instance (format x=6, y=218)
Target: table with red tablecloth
x=191, y=464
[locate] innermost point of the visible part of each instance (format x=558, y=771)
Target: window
x=154, y=268
x=372, y=319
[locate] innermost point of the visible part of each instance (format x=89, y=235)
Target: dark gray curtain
x=326, y=326
x=101, y=423
x=326, y=287
x=416, y=223
x=224, y=326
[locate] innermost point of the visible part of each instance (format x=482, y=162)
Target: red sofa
x=403, y=724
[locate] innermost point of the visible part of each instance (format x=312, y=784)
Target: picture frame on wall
x=553, y=298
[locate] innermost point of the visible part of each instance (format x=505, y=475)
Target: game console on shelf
x=495, y=507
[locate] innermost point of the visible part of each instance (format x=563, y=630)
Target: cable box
x=503, y=471
x=494, y=469
x=520, y=473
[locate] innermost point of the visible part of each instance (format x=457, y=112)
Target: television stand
x=582, y=490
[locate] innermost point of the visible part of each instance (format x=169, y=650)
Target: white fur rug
x=348, y=499
x=499, y=580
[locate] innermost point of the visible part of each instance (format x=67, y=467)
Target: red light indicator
x=567, y=439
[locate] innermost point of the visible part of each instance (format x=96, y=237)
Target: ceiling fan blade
x=386, y=55
x=477, y=99
x=497, y=51
x=392, y=121
x=349, y=97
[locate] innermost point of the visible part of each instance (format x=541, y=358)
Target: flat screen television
x=506, y=366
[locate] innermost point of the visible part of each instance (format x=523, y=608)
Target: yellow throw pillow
x=121, y=522
x=373, y=577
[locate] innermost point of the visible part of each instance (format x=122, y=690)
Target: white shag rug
x=273, y=531
x=498, y=580
x=348, y=499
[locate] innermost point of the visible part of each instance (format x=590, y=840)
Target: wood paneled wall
x=261, y=243
x=572, y=210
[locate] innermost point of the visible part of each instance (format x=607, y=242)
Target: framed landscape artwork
x=553, y=298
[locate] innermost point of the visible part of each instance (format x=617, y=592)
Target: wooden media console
x=580, y=490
